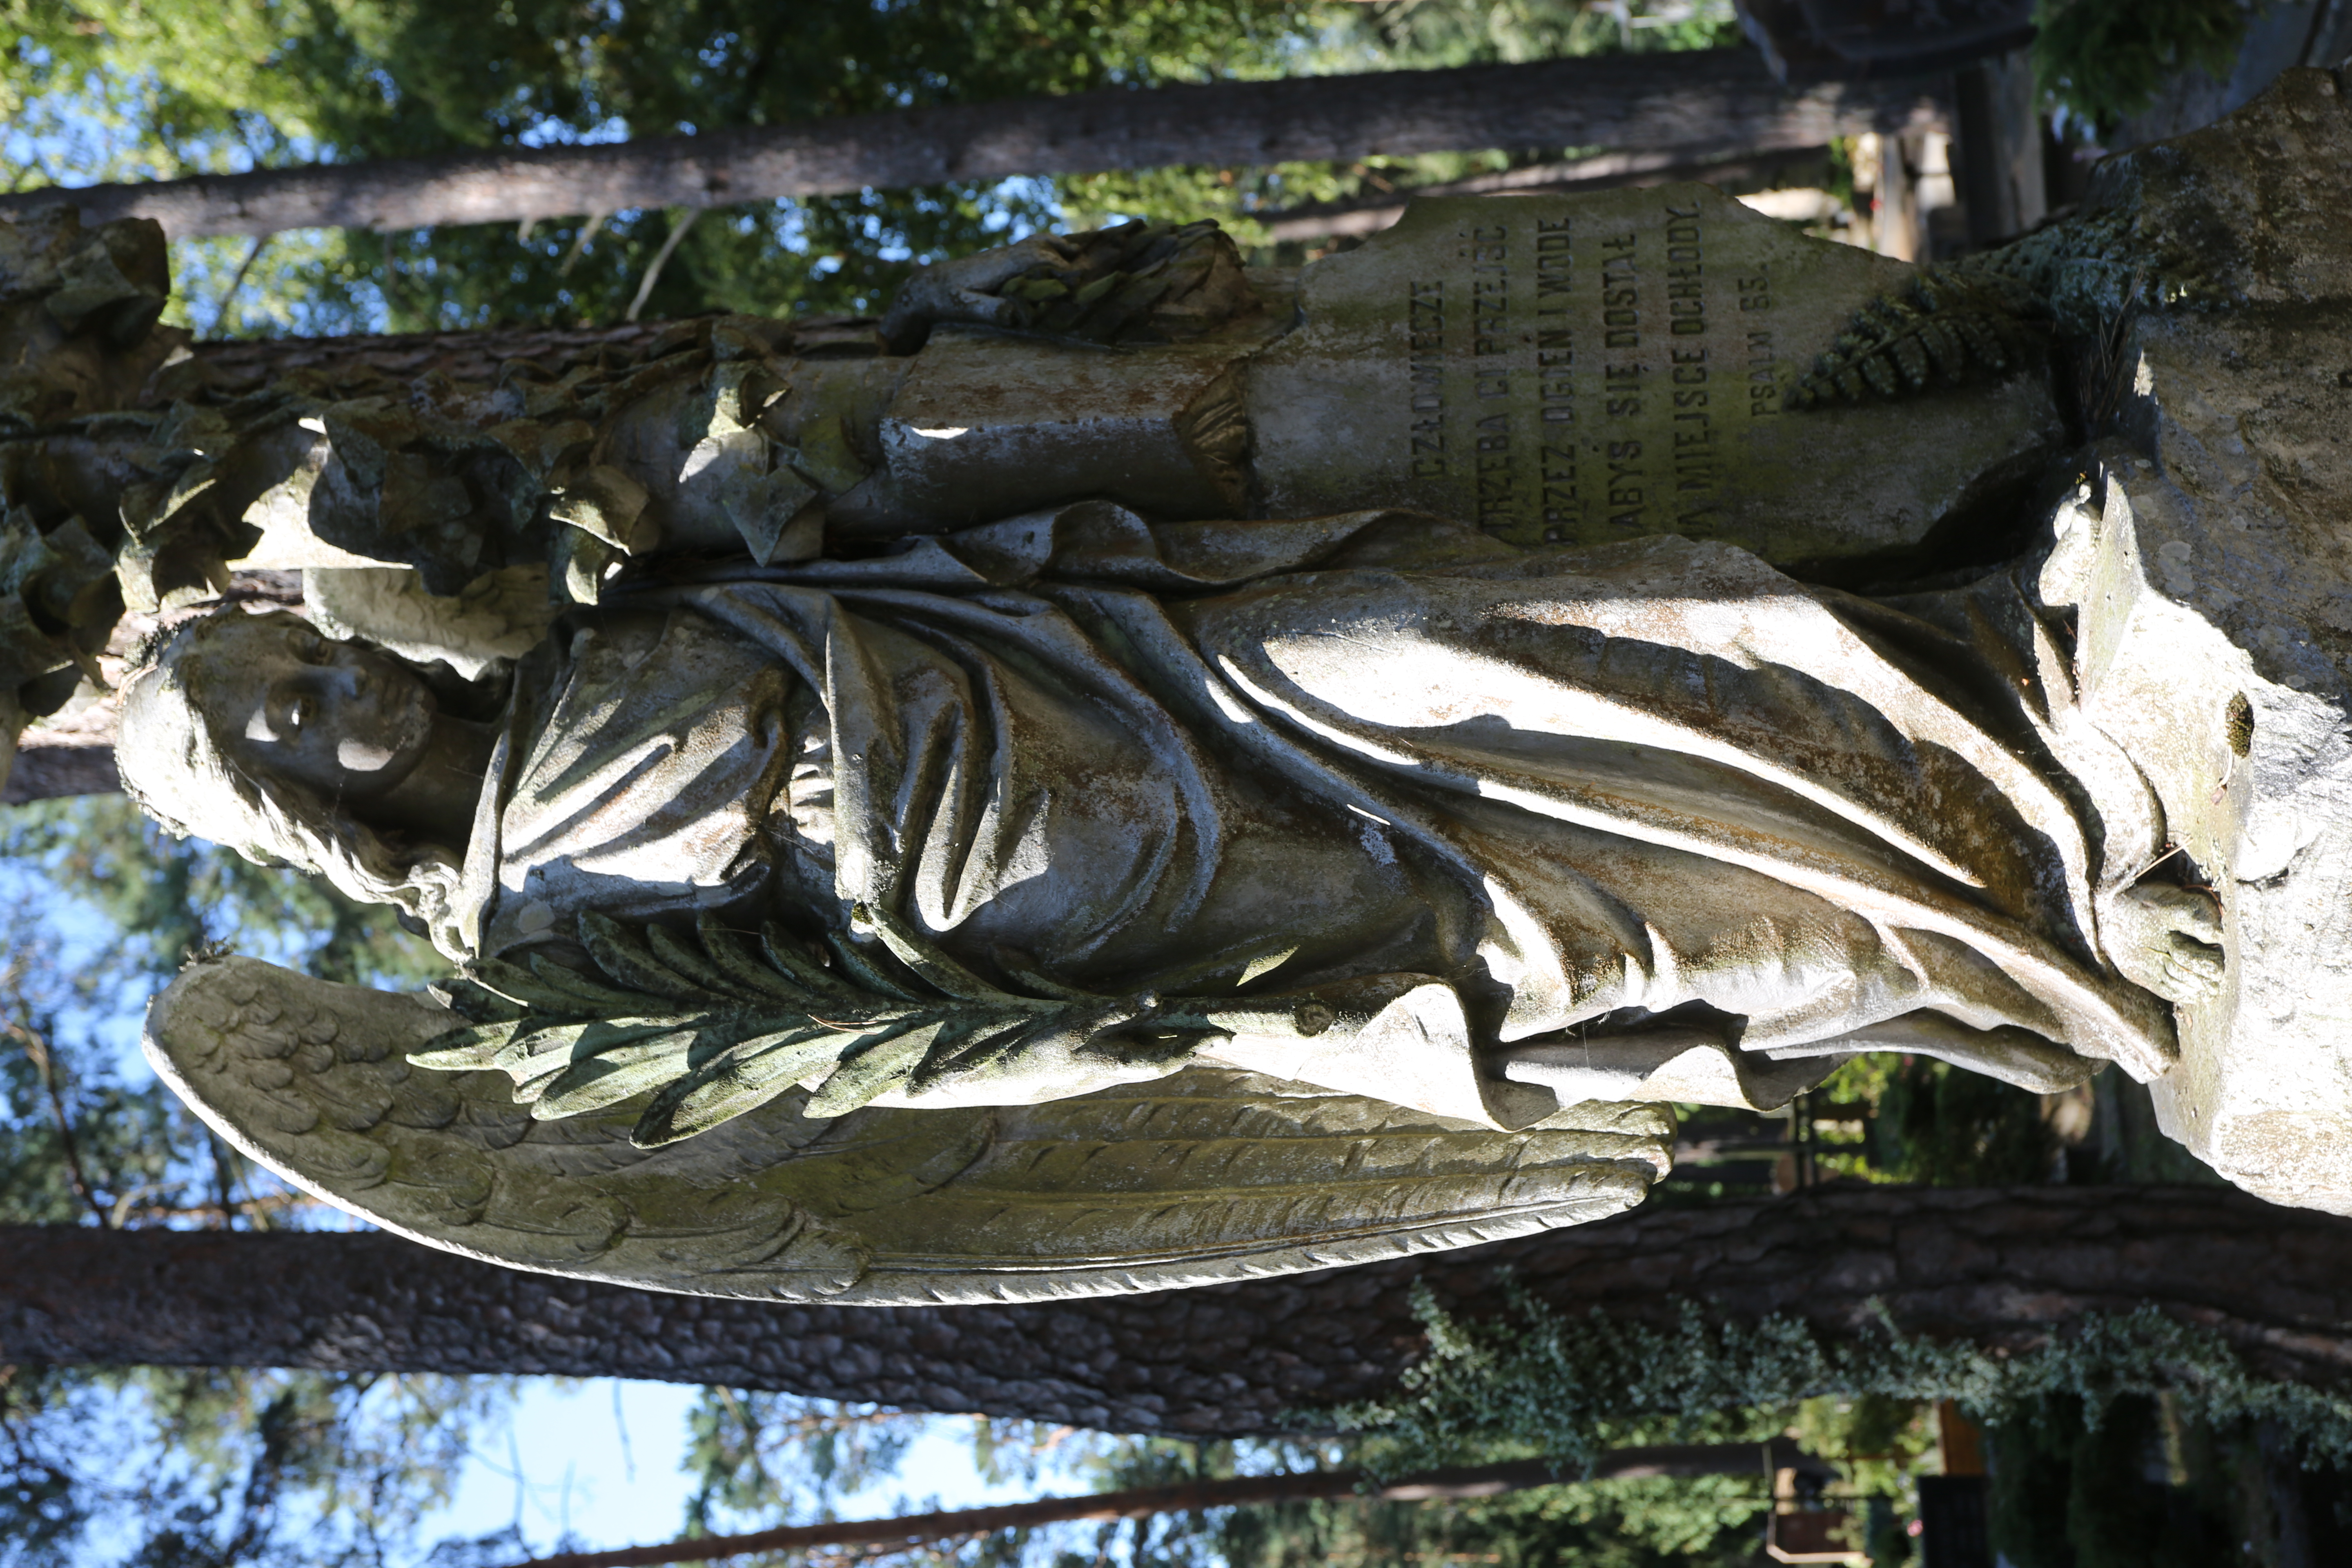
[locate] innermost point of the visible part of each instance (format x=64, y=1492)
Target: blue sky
x=598, y=1460
x=601, y=1458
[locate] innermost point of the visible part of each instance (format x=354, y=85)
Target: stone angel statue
x=994, y=811
x=1081, y=840
x=1603, y=801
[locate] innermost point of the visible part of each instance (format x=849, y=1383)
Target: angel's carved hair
x=177, y=768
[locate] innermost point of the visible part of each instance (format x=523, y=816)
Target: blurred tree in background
x=159, y=898
x=2106, y=60
x=176, y=1467
x=117, y=89
x=170, y=1467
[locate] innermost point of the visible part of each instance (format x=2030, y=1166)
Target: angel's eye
x=297, y=714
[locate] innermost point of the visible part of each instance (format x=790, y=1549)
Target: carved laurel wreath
x=716, y=1028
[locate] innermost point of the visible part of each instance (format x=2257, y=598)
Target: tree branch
x=1192, y=1497
x=1719, y=99
x=661, y=259
x=229, y=295
x=36, y=1051
x=50, y=772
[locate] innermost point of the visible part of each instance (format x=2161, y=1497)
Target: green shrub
x=1572, y=1387
x=2104, y=60
x=1940, y=1126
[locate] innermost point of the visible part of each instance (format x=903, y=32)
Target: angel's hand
x=1136, y=282
x=2166, y=940
x=969, y=289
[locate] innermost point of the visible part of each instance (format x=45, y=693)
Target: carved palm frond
x=1982, y=315
x=718, y=1026
x=1948, y=327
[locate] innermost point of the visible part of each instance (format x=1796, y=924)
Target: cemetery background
x=237, y=1467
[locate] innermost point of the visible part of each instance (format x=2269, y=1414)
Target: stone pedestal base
x=2215, y=631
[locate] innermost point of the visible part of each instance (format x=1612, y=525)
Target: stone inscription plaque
x=1578, y=369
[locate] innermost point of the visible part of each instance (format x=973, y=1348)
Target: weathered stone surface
x=987, y=427
x=1217, y=1176
x=1945, y=772
x=500, y=615
x=1604, y=367
x=2215, y=634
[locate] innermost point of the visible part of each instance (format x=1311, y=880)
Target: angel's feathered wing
x=1201, y=1177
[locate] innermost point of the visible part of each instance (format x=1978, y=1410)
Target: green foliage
x=1571, y=1388
x=1394, y=35
x=1700, y=1523
x=1429, y=34
x=75, y=1140
x=1876, y=1439
x=1647, y=1522
x=146, y=88
x=1942, y=1126
x=2105, y=60
x=2074, y=1492
x=1863, y=1079
x=179, y=1465
x=195, y=1466
x=201, y=1467
x=162, y=897
x=79, y=1141
x=777, y=1458
x=168, y=87
x=762, y=1459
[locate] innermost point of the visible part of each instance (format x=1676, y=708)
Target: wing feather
x=1207, y=1175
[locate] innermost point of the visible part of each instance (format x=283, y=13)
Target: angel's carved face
x=343, y=717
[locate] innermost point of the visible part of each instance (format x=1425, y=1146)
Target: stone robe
x=1580, y=789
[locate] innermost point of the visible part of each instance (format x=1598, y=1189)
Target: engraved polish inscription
x=1621, y=378
x=1606, y=366
x=1605, y=376
x=1555, y=376
x=1696, y=460
x=1425, y=367
x=1491, y=346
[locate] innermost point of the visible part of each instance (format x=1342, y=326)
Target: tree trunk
x=235, y=367
x=44, y=771
x=1721, y=99
x=1194, y=1497
x=1999, y=1267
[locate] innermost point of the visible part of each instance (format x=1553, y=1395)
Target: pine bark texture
x=1999, y=1267
x=234, y=367
x=43, y=772
x=1716, y=99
